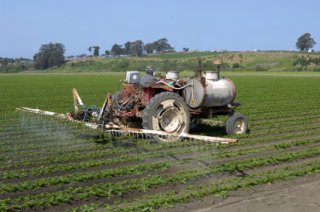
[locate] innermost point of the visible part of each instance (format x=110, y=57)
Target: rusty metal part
x=128, y=114
x=161, y=86
x=128, y=90
x=147, y=94
x=196, y=111
x=109, y=97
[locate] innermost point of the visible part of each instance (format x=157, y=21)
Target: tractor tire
x=167, y=112
x=236, y=124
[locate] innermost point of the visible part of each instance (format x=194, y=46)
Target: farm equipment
x=163, y=107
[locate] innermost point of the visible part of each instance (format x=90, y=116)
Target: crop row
x=108, y=190
x=90, y=151
x=41, y=170
x=193, y=192
x=222, y=154
x=42, y=146
x=259, y=149
x=312, y=129
x=278, y=132
x=270, y=100
x=261, y=111
x=44, y=132
x=103, y=153
x=286, y=129
x=302, y=114
x=73, y=156
x=81, y=177
x=285, y=123
x=31, y=146
x=276, y=103
x=280, y=114
x=272, y=138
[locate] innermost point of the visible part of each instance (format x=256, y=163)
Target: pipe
x=173, y=86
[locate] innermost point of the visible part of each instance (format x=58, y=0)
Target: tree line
x=52, y=54
x=15, y=64
x=135, y=48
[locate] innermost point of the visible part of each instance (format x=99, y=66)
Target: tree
x=136, y=48
x=149, y=48
x=107, y=52
x=305, y=42
x=116, y=50
x=95, y=50
x=127, y=46
x=185, y=49
x=162, y=45
x=49, y=55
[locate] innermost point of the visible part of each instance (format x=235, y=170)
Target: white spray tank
x=212, y=91
x=219, y=92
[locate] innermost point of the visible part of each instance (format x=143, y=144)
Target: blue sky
x=196, y=24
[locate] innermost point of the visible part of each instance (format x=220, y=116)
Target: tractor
x=167, y=104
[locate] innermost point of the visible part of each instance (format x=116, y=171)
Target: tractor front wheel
x=236, y=124
x=167, y=112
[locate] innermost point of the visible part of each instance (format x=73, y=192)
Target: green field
x=46, y=164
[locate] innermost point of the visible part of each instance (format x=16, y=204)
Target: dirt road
x=299, y=195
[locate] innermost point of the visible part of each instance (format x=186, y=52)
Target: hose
x=173, y=86
x=89, y=110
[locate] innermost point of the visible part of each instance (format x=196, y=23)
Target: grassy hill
x=232, y=61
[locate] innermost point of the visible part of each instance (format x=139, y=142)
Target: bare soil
x=301, y=194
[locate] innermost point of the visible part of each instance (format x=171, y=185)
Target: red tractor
x=169, y=104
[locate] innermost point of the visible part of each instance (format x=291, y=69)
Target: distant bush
x=123, y=64
x=315, y=61
x=236, y=65
x=16, y=67
x=224, y=66
x=207, y=65
x=169, y=65
x=261, y=68
x=231, y=57
x=301, y=61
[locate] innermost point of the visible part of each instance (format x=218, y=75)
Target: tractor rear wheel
x=167, y=112
x=236, y=124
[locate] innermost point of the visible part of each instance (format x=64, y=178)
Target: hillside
x=232, y=61
x=275, y=61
